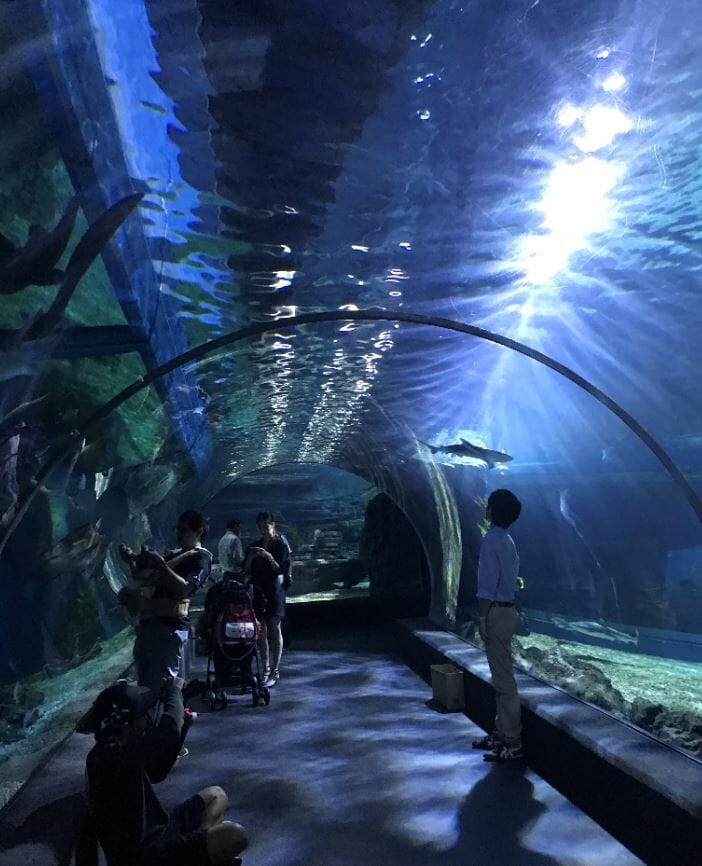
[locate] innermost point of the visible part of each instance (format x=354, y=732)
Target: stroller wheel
x=224, y=700
x=255, y=697
x=212, y=698
x=266, y=696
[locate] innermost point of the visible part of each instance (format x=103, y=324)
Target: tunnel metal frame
x=67, y=447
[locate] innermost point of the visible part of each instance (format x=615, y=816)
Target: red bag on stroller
x=237, y=622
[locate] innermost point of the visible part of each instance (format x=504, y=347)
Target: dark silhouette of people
x=131, y=753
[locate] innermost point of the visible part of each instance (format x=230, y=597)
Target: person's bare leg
x=224, y=841
x=216, y=804
x=263, y=649
x=275, y=644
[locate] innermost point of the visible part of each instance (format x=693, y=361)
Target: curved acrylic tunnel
x=347, y=427
x=528, y=169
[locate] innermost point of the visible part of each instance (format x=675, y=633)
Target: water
x=530, y=169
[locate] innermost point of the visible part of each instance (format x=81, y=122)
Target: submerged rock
x=681, y=727
x=393, y=557
x=148, y=485
x=10, y=733
x=78, y=552
x=572, y=673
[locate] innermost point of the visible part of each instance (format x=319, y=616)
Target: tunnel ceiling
x=523, y=167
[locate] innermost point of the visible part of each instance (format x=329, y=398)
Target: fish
x=35, y=262
x=464, y=448
x=598, y=629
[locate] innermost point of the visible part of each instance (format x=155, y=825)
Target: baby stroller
x=233, y=628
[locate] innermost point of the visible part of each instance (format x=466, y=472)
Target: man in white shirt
x=231, y=554
x=498, y=569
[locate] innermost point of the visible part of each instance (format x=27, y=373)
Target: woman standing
x=268, y=565
x=166, y=585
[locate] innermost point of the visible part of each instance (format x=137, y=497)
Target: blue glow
x=145, y=115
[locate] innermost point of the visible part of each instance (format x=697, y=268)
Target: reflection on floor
x=346, y=767
x=349, y=767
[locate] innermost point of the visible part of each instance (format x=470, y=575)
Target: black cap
x=120, y=704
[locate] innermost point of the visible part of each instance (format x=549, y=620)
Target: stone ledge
x=652, y=793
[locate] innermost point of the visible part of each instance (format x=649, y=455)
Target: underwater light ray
x=68, y=444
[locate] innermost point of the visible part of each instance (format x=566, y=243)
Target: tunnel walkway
x=346, y=767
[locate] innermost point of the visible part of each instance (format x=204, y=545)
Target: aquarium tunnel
x=360, y=264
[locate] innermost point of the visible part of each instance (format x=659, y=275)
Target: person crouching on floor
x=130, y=754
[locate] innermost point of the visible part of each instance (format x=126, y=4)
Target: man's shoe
x=488, y=743
x=504, y=754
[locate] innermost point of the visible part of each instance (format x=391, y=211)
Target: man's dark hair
x=265, y=515
x=195, y=520
x=233, y=523
x=505, y=508
x=115, y=707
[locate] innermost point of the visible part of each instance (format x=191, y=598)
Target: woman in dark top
x=267, y=563
x=166, y=584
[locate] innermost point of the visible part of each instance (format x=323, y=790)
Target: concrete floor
x=346, y=767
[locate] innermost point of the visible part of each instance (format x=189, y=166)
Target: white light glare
x=568, y=115
x=614, y=82
x=284, y=279
x=575, y=205
x=601, y=124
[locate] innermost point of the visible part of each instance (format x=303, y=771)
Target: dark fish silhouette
x=464, y=448
x=34, y=264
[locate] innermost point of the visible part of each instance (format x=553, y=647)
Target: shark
x=464, y=448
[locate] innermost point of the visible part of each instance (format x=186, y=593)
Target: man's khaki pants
x=499, y=628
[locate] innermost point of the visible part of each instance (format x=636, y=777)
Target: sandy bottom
x=675, y=684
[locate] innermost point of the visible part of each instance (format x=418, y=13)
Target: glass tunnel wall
x=529, y=170
x=348, y=539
